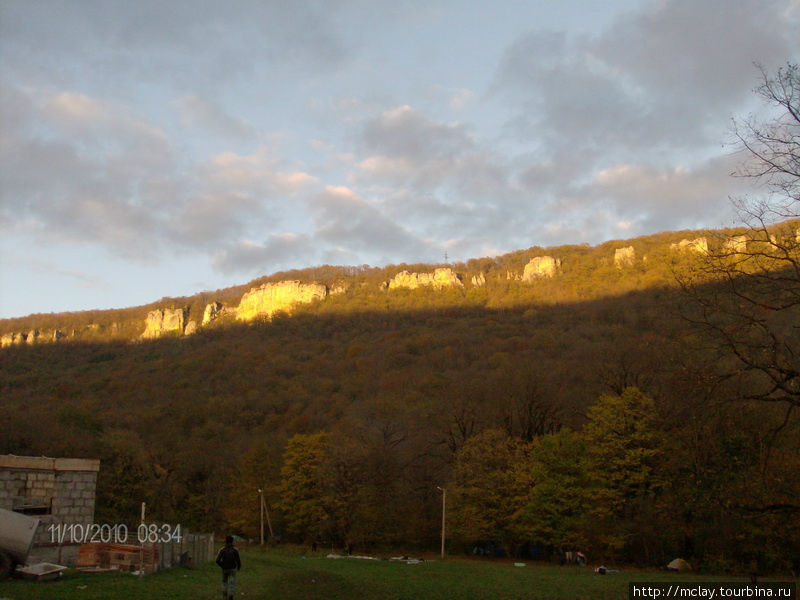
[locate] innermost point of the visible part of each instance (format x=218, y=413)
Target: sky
x=152, y=149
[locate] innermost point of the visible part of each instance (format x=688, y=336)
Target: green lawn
x=286, y=575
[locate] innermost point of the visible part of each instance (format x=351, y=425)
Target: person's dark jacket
x=228, y=558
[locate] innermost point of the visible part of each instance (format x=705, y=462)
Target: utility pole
x=261, y=512
x=266, y=512
x=444, y=509
x=141, y=543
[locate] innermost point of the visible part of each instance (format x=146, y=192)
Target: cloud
x=626, y=125
x=345, y=227
x=407, y=147
x=405, y=132
x=96, y=172
x=213, y=118
x=124, y=129
x=652, y=198
x=345, y=220
x=151, y=41
x=71, y=106
x=259, y=172
x=278, y=251
x=662, y=79
x=460, y=99
x=456, y=99
x=384, y=167
x=82, y=175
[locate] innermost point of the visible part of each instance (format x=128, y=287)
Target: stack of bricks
x=123, y=557
x=54, y=490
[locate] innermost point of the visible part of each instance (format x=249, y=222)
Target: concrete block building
x=57, y=491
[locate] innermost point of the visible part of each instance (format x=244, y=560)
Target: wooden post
x=266, y=511
x=444, y=509
x=141, y=551
x=261, y=512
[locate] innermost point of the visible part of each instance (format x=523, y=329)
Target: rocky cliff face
x=439, y=279
x=624, y=257
x=11, y=338
x=735, y=244
x=338, y=288
x=266, y=300
x=163, y=321
x=541, y=266
x=211, y=312
x=699, y=245
x=32, y=337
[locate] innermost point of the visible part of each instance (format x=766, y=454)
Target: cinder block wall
x=57, y=491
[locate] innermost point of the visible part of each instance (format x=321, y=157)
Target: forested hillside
x=594, y=409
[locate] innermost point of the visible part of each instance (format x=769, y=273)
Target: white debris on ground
x=403, y=559
x=407, y=560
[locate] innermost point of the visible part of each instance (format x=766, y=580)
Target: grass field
x=286, y=575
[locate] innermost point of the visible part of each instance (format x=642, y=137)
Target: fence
x=193, y=549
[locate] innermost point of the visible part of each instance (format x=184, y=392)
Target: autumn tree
x=485, y=482
x=257, y=469
x=747, y=292
x=624, y=451
x=552, y=508
x=302, y=499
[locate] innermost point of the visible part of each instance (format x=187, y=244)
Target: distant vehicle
x=17, y=532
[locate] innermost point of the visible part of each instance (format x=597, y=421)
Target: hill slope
x=379, y=393
x=536, y=275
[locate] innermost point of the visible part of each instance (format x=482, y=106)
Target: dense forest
x=612, y=425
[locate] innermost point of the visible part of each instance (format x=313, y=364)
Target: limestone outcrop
x=624, y=257
x=699, y=245
x=541, y=266
x=32, y=337
x=266, y=300
x=162, y=321
x=735, y=244
x=439, y=279
x=478, y=280
x=338, y=288
x=211, y=312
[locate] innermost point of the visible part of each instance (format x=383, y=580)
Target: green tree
x=554, y=484
x=125, y=479
x=303, y=501
x=624, y=452
x=485, y=487
x=258, y=468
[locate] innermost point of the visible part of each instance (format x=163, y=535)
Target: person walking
x=229, y=561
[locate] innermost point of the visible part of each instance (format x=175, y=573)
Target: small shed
x=57, y=491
